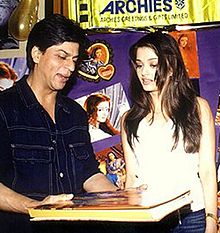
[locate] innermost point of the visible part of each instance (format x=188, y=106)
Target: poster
x=116, y=85
x=188, y=47
x=102, y=90
x=113, y=81
x=11, y=70
x=119, y=14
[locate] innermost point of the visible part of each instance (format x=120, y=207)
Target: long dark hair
x=178, y=98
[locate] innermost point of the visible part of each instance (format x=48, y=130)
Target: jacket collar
x=29, y=99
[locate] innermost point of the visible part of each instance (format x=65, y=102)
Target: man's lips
x=63, y=78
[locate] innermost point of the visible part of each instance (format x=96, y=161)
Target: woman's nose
x=144, y=70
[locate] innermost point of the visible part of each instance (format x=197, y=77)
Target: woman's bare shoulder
x=204, y=107
x=124, y=116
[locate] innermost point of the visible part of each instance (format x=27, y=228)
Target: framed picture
x=187, y=42
x=9, y=46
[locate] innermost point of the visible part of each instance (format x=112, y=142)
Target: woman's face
x=98, y=53
x=146, y=66
x=111, y=156
x=102, y=111
x=183, y=41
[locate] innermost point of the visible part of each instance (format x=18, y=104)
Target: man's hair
x=54, y=30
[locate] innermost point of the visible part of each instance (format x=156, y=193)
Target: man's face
x=56, y=64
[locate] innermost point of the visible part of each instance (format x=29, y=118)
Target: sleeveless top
x=165, y=171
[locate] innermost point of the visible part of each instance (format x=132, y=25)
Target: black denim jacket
x=38, y=157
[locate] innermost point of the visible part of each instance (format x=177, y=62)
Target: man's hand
x=60, y=200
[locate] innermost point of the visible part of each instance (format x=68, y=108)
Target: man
x=45, y=145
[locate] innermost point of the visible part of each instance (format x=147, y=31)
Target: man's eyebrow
x=61, y=50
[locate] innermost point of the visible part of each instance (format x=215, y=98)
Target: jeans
x=193, y=222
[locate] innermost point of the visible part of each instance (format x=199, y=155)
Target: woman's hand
x=142, y=187
x=211, y=226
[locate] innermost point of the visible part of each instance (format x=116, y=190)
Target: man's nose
x=71, y=65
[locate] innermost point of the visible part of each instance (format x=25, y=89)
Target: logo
x=137, y=6
x=180, y=4
x=98, y=64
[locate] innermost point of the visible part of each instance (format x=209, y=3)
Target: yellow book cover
x=131, y=205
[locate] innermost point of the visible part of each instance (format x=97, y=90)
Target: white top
x=97, y=134
x=164, y=171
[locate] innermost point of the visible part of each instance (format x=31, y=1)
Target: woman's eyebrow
x=149, y=59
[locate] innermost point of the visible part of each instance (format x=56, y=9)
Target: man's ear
x=36, y=53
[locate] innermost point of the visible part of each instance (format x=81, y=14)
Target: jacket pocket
x=33, y=169
x=80, y=150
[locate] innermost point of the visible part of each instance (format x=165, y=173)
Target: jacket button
x=61, y=174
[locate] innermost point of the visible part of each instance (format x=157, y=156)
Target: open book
x=131, y=205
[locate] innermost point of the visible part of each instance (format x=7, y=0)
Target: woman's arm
x=207, y=164
x=99, y=183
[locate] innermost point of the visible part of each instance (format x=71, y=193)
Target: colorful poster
x=102, y=90
x=11, y=70
x=114, y=51
x=113, y=84
x=143, y=13
x=188, y=47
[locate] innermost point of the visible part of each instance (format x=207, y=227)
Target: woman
x=98, y=107
x=168, y=135
x=115, y=169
